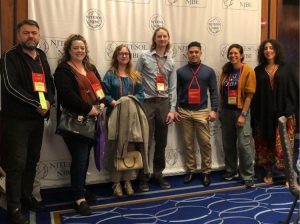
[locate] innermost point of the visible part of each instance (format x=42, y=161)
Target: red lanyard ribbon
x=195, y=76
x=194, y=94
x=233, y=93
x=121, y=87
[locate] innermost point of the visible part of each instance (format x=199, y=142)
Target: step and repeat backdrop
x=108, y=23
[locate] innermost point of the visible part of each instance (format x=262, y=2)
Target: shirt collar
x=154, y=53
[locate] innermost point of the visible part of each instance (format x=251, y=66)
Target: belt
x=155, y=99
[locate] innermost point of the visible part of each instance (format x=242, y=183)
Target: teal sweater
x=113, y=91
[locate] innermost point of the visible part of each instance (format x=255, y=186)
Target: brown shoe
x=162, y=182
x=117, y=190
x=128, y=188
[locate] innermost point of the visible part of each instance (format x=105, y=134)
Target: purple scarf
x=99, y=144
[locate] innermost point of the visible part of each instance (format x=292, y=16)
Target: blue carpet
x=263, y=205
x=224, y=202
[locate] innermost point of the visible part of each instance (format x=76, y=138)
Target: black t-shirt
x=231, y=80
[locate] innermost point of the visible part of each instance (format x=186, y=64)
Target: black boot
x=206, y=179
x=32, y=204
x=16, y=217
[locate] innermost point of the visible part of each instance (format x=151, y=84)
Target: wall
x=13, y=11
x=288, y=35
x=19, y=9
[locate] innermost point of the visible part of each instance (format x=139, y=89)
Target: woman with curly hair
x=79, y=90
x=276, y=95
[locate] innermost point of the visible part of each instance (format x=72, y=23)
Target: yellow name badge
x=232, y=100
x=100, y=94
x=39, y=84
x=97, y=88
x=160, y=87
x=39, y=87
x=160, y=83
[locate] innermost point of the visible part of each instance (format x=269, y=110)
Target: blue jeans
x=80, y=151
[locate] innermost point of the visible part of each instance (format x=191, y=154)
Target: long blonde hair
x=133, y=74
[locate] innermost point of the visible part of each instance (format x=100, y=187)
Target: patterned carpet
x=222, y=203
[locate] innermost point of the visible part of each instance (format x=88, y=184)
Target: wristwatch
x=244, y=113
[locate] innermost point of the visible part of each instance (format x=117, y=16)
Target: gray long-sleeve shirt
x=147, y=66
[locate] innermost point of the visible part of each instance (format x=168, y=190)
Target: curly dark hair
x=279, y=53
x=67, y=46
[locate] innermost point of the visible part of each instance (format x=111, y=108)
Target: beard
x=29, y=45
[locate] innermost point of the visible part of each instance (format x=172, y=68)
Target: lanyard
x=96, y=86
x=230, y=77
x=76, y=67
x=40, y=62
x=39, y=84
x=121, y=86
x=160, y=66
x=195, y=76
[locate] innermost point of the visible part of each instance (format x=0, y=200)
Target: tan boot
x=117, y=190
x=128, y=188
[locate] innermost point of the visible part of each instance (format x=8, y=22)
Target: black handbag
x=71, y=124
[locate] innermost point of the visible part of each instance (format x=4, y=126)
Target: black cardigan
x=268, y=105
x=68, y=94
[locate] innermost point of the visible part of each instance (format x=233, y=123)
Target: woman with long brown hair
x=120, y=80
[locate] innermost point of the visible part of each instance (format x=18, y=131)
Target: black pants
x=21, y=142
x=156, y=112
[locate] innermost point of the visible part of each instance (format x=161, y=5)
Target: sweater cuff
x=173, y=109
x=215, y=109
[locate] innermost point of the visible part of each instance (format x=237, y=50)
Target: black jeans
x=21, y=142
x=80, y=151
x=156, y=112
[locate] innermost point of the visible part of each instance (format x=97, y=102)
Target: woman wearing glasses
x=120, y=80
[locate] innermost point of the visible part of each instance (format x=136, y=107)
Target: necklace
x=271, y=72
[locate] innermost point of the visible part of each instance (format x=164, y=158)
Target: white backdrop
x=107, y=23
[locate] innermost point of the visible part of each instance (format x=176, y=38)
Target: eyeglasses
x=123, y=54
